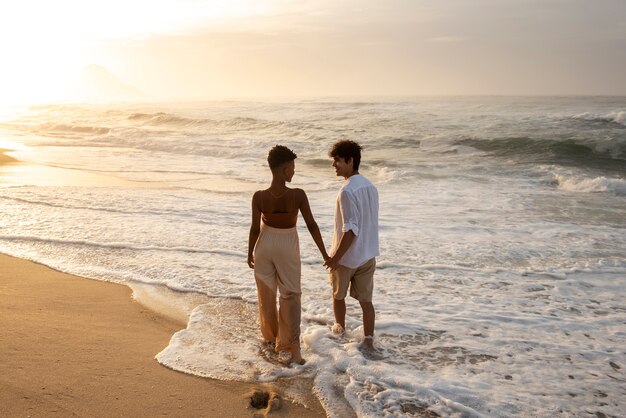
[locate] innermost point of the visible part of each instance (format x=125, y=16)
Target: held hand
x=251, y=261
x=325, y=256
x=331, y=264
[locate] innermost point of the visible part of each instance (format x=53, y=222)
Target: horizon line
x=377, y=97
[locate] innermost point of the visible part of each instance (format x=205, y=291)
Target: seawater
x=500, y=285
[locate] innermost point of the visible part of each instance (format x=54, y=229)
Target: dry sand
x=76, y=347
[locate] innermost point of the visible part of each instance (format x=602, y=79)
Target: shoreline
x=74, y=346
x=14, y=171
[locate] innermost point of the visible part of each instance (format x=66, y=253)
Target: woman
x=274, y=253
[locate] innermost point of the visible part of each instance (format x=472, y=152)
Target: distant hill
x=96, y=83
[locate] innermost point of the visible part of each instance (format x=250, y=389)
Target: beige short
x=360, y=281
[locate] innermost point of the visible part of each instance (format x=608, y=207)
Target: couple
x=274, y=249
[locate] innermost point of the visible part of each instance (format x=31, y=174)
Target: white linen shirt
x=357, y=211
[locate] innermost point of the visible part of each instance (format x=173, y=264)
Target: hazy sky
x=282, y=48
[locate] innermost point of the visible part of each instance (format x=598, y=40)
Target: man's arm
x=255, y=228
x=344, y=244
x=349, y=216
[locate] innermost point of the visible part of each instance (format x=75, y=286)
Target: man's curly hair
x=347, y=149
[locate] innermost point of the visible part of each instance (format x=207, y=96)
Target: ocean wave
x=240, y=122
x=55, y=129
x=55, y=121
x=96, y=170
x=394, y=143
x=617, y=117
x=98, y=208
x=591, y=185
x=118, y=245
x=159, y=118
x=601, y=153
x=318, y=162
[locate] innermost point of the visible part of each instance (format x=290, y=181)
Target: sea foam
x=591, y=185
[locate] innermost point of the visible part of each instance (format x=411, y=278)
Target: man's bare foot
x=369, y=351
x=368, y=342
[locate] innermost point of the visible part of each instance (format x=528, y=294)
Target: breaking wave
x=591, y=185
x=118, y=245
x=604, y=154
x=618, y=117
x=56, y=129
x=165, y=119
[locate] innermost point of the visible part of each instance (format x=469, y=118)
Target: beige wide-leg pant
x=277, y=267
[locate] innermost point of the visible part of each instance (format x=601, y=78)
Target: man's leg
x=339, y=308
x=340, y=281
x=362, y=289
x=369, y=318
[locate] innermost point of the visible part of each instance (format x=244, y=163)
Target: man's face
x=342, y=168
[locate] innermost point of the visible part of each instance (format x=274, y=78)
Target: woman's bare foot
x=338, y=329
x=295, y=357
x=301, y=361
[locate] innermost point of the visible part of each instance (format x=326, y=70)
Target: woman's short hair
x=280, y=155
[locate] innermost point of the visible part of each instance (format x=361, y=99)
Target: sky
x=209, y=49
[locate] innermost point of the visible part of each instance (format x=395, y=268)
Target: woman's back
x=279, y=211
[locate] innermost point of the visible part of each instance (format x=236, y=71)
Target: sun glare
x=51, y=42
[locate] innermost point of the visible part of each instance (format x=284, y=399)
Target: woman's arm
x=311, y=225
x=255, y=228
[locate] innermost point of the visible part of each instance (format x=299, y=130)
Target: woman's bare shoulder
x=300, y=195
x=258, y=196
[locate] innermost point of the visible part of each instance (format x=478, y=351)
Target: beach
x=77, y=347
x=498, y=292
x=72, y=346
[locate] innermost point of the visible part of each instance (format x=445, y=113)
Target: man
x=274, y=253
x=355, y=240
